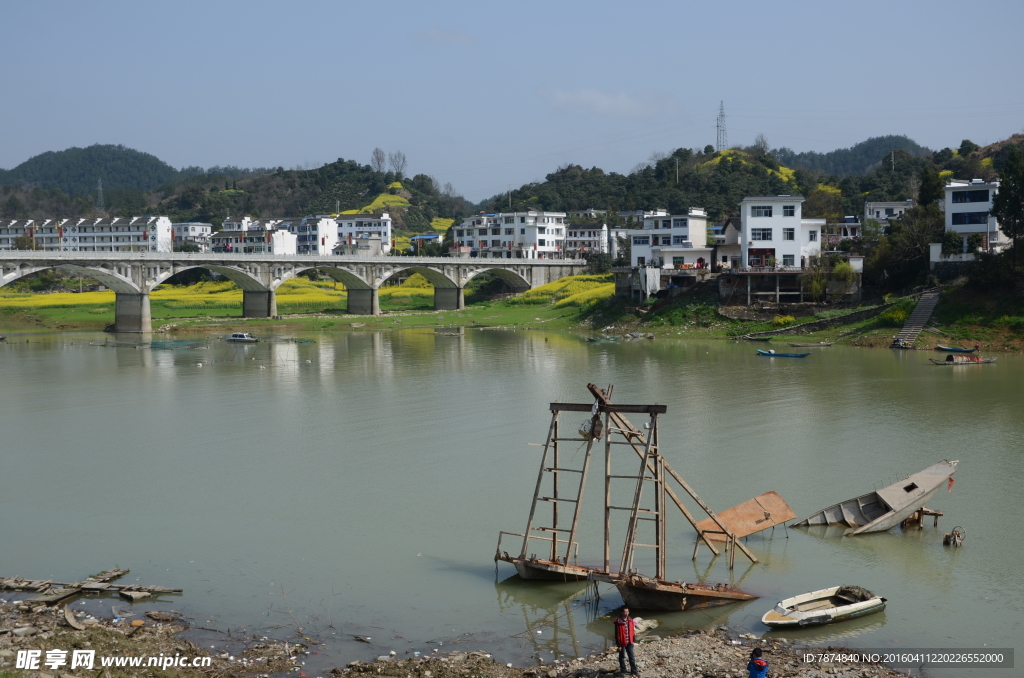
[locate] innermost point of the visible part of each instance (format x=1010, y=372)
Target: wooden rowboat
x=820, y=343
x=950, y=349
x=756, y=338
x=886, y=508
x=773, y=354
x=826, y=606
x=963, y=360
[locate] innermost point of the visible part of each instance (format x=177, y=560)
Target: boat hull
x=817, y=608
x=546, y=570
x=782, y=355
x=950, y=349
x=649, y=594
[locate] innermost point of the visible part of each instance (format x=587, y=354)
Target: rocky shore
x=714, y=653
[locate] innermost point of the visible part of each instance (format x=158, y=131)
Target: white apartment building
x=671, y=240
x=880, y=211
x=590, y=214
x=364, y=227
x=315, y=235
x=136, y=234
x=257, y=237
x=774, y=234
x=582, y=240
x=194, y=232
x=725, y=238
x=522, y=235
x=968, y=204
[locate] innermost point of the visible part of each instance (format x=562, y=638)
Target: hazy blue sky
x=490, y=94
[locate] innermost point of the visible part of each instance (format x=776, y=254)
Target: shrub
x=894, y=317
x=783, y=320
x=1012, y=322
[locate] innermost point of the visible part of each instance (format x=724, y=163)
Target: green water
x=366, y=476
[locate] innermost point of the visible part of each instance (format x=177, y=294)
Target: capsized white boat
x=826, y=606
x=886, y=508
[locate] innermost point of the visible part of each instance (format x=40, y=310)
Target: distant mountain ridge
x=859, y=159
x=76, y=171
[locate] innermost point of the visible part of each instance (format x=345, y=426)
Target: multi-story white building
x=968, y=207
x=364, y=227
x=257, y=237
x=774, y=234
x=880, y=211
x=671, y=240
x=193, y=232
x=523, y=235
x=582, y=240
x=137, y=234
x=315, y=235
x=590, y=214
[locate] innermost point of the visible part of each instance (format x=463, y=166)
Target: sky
x=491, y=95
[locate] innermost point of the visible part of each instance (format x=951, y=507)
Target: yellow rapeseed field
x=563, y=289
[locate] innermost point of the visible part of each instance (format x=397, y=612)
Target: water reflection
x=549, y=612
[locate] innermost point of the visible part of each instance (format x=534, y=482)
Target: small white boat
x=242, y=337
x=826, y=606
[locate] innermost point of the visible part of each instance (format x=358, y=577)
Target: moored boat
x=963, y=360
x=757, y=338
x=951, y=349
x=773, y=354
x=885, y=508
x=242, y=337
x=820, y=343
x=826, y=606
x=647, y=593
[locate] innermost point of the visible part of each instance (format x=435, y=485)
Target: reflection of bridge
x=132, y=275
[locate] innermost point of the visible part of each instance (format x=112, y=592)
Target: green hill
x=858, y=159
x=75, y=171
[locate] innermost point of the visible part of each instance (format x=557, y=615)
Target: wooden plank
x=749, y=517
x=630, y=409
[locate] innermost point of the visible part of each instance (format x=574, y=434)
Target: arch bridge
x=132, y=275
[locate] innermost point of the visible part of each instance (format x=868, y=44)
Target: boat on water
x=820, y=343
x=952, y=349
x=646, y=593
x=757, y=338
x=953, y=359
x=242, y=337
x=886, y=508
x=826, y=606
x=773, y=354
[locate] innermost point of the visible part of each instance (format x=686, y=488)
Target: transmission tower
x=99, y=195
x=723, y=139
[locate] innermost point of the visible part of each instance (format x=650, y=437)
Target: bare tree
x=377, y=160
x=448, y=191
x=398, y=162
x=761, y=143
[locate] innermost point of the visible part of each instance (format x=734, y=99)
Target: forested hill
x=75, y=171
x=858, y=159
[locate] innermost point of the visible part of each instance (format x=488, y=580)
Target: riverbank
x=578, y=304
x=714, y=653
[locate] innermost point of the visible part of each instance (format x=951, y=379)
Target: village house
x=253, y=236
x=725, y=239
x=104, y=234
x=883, y=211
x=673, y=241
x=968, y=206
x=582, y=240
x=534, y=234
x=364, y=228
x=193, y=232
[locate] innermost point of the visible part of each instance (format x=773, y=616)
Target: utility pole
x=510, y=197
x=723, y=139
x=99, y=195
x=677, y=170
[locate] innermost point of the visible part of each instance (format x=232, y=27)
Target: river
x=356, y=484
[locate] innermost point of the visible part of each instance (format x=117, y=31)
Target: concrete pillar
x=363, y=302
x=132, y=312
x=448, y=298
x=259, y=304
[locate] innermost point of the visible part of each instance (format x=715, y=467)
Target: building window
x=495, y=231
x=641, y=240
x=789, y=210
x=522, y=220
x=678, y=239
x=522, y=231
x=666, y=240
x=459, y=234
x=678, y=261
x=812, y=236
x=495, y=243
x=725, y=258
x=510, y=220
x=761, y=233
x=789, y=234
x=679, y=223
x=761, y=211
x=510, y=231
x=482, y=231
x=788, y=259
x=541, y=230
x=964, y=218
x=970, y=196
x=542, y=243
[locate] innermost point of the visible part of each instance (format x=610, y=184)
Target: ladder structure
x=916, y=322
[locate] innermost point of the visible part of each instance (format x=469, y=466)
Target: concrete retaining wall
x=826, y=323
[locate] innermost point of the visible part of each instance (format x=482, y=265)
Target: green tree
x=931, y=187
x=1008, y=204
x=709, y=150
x=23, y=242
x=599, y=263
x=967, y=147
x=186, y=246
x=952, y=243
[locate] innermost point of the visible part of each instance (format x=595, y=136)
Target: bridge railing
x=33, y=255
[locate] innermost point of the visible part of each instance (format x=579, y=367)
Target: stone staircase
x=921, y=314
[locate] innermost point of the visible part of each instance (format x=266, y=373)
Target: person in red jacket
x=625, y=636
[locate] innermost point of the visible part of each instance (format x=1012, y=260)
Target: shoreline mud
x=713, y=653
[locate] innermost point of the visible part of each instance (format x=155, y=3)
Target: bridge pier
x=449, y=299
x=363, y=301
x=259, y=304
x=132, y=313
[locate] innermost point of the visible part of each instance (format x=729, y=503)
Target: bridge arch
x=513, y=279
x=113, y=279
x=350, y=280
x=433, y=276
x=239, y=277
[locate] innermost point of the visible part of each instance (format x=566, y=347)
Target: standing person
x=757, y=667
x=625, y=636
